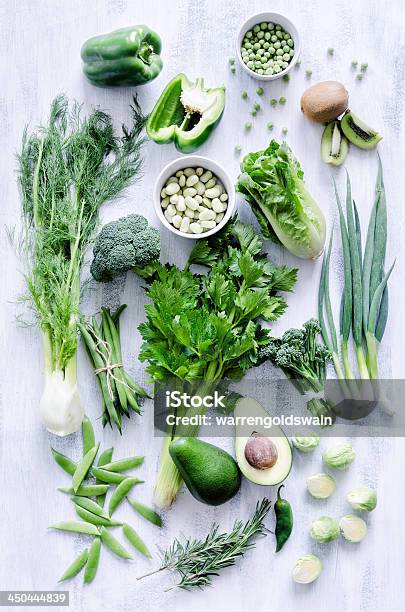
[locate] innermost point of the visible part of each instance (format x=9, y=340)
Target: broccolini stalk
x=67, y=170
x=202, y=329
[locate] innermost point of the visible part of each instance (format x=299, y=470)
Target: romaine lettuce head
x=272, y=183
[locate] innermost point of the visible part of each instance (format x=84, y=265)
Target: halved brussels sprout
x=321, y=485
x=339, y=456
x=324, y=529
x=307, y=569
x=306, y=444
x=362, y=498
x=353, y=528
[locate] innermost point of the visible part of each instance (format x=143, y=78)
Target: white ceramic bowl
x=193, y=161
x=277, y=19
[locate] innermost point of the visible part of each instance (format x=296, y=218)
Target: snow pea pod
x=83, y=467
x=86, y=490
x=124, y=464
x=75, y=567
x=94, y=519
x=113, y=544
x=108, y=477
x=64, y=462
x=88, y=437
x=147, y=513
x=76, y=527
x=104, y=458
x=134, y=539
x=284, y=520
x=120, y=493
x=92, y=560
x=90, y=505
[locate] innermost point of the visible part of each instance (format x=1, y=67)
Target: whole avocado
x=210, y=473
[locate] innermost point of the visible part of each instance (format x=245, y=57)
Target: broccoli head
x=126, y=244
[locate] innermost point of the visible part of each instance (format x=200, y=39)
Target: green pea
x=256, y=46
x=267, y=36
x=244, y=95
x=259, y=53
x=286, y=36
x=248, y=126
x=260, y=35
x=266, y=45
x=263, y=60
x=290, y=42
x=269, y=70
x=364, y=67
x=272, y=50
x=258, y=63
x=284, y=65
x=83, y=467
x=279, y=52
x=263, y=25
x=283, y=100
x=354, y=63
x=331, y=50
x=273, y=102
x=260, y=71
x=249, y=34
x=250, y=65
x=75, y=567
x=231, y=61
x=274, y=38
x=253, y=113
x=279, y=35
x=286, y=49
x=284, y=131
x=238, y=149
x=286, y=57
x=270, y=126
x=76, y=527
x=64, y=462
x=359, y=76
x=120, y=493
x=277, y=45
x=256, y=29
x=92, y=560
x=113, y=544
x=308, y=72
x=134, y=539
x=87, y=435
x=278, y=27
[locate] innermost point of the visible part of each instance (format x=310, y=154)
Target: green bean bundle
x=120, y=393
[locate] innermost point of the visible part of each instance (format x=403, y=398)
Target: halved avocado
x=358, y=132
x=334, y=145
x=263, y=454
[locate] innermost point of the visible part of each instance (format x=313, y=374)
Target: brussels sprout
x=339, y=456
x=307, y=569
x=306, y=444
x=353, y=528
x=324, y=529
x=362, y=498
x=321, y=485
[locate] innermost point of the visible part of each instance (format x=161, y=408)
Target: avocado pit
x=260, y=452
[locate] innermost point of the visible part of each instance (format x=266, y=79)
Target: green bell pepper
x=129, y=56
x=186, y=113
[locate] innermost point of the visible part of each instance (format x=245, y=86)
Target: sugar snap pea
x=104, y=458
x=87, y=435
x=113, y=544
x=120, y=493
x=76, y=527
x=108, y=477
x=147, y=513
x=64, y=462
x=134, y=539
x=83, y=467
x=124, y=464
x=75, y=567
x=92, y=560
x=86, y=490
x=94, y=519
x=90, y=505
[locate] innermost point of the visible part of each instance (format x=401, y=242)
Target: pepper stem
x=278, y=491
x=145, y=53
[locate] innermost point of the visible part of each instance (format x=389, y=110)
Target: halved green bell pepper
x=129, y=56
x=186, y=113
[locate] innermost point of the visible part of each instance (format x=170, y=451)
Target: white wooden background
x=40, y=44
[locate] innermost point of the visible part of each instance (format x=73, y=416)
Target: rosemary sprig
x=198, y=560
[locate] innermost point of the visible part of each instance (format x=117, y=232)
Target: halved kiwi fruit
x=334, y=145
x=358, y=132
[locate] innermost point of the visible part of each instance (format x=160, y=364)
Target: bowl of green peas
x=268, y=46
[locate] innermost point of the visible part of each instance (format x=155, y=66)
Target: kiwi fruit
x=334, y=145
x=358, y=132
x=325, y=101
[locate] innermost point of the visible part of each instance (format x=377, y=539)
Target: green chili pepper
x=284, y=520
x=186, y=113
x=129, y=56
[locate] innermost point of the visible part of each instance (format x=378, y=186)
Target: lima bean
x=196, y=228
x=172, y=188
x=188, y=171
x=192, y=180
x=189, y=191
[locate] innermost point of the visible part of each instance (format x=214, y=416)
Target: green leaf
x=250, y=269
